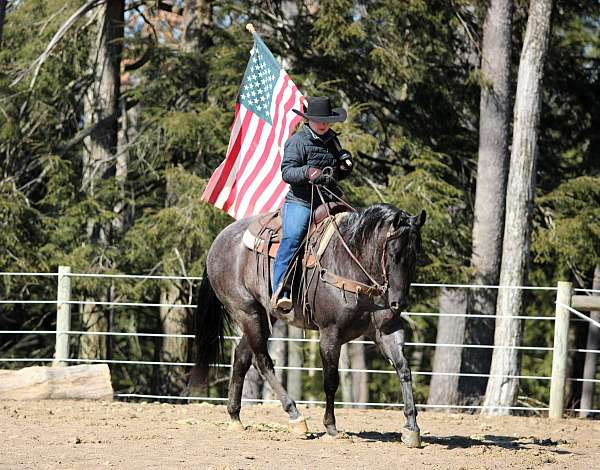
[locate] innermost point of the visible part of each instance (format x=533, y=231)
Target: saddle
x=264, y=234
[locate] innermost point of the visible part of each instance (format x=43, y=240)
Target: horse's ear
x=398, y=219
x=420, y=219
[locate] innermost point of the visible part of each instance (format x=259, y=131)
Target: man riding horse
x=313, y=155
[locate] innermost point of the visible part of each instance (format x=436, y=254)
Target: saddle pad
x=256, y=244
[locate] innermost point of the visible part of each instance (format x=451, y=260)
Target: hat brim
x=337, y=115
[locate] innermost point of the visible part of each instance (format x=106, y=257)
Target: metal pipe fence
x=63, y=332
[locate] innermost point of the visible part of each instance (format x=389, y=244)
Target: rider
x=307, y=153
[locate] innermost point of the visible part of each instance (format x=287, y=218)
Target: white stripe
x=237, y=125
x=270, y=161
x=279, y=202
x=253, y=159
x=267, y=130
x=254, y=120
x=246, y=197
x=278, y=154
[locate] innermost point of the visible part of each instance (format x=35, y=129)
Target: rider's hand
x=317, y=176
x=346, y=162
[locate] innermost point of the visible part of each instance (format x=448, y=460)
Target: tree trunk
x=501, y=391
x=100, y=102
x=345, y=377
x=197, y=21
x=93, y=346
x=2, y=16
x=313, y=355
x=490, y=195
x=360, y=380
x=174, y=321
x=443, y=389
x=295, y=359
x=252, y=385
x=589, y=368
x=127, y=132
x=277, y=351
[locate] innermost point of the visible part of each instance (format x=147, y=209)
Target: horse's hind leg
x=391, y=346
x=257, y=332
x=241, y=364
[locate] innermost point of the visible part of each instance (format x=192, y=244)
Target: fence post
x=560, y=354
x=63, y=316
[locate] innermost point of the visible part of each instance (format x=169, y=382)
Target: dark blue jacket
x=307, y=149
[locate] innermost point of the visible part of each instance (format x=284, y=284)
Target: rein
x=375, y=288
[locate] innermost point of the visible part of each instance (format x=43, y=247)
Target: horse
x=379, y=241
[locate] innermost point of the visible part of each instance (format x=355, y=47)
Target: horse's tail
x=210, y=322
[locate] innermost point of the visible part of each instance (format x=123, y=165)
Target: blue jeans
x=296, y=218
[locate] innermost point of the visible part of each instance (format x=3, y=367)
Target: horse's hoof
x=332, y=433
x=236, y=425
x=411, y=438
x=336, y=435
x=298, y=425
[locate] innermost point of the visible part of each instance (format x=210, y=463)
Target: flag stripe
x=267, y=160
x=231, y=157
x=268, y=182
x=258, y=159
x=246, y=159
x=235, y=129
x=247, y=145
x=249, y=180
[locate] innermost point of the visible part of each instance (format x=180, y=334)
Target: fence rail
x=560, y=348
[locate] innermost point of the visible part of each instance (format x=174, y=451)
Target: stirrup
x=284, y=303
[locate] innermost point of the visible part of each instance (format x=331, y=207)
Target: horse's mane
x=361, y=226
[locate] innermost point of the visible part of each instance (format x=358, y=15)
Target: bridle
x=375, y=288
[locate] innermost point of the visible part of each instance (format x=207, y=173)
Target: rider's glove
x=317, y=176
x=346, y=162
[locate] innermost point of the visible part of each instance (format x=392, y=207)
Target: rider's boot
x=282, y=302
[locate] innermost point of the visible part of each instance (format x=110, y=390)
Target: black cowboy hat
x=319, y=110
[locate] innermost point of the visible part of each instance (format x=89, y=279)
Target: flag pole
x=250, y=27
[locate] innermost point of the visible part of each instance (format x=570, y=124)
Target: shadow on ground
x=463, y=442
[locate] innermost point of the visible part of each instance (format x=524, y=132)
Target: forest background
x=107, y=141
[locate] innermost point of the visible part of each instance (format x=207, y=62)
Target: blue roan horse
x=385, y=242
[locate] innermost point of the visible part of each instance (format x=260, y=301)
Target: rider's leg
x=296, y=218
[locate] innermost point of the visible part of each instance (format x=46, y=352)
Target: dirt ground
x=90, y=435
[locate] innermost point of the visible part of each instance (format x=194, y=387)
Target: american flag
x=248, y=181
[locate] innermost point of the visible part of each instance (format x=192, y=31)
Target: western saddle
x=264, y=233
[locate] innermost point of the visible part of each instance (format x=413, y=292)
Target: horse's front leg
x=392, y=346
x=330, y=356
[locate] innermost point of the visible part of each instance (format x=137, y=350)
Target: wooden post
x=63, y=316
x=560, y=354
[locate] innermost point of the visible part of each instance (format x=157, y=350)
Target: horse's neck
x=368, y=255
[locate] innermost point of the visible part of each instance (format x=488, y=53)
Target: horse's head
x=399, y=258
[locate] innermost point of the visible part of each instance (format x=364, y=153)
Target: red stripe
x=230, y=160
x=277, y=164
x=268, y=207
x=246, y=159
x=216, y=176
x=266, y=150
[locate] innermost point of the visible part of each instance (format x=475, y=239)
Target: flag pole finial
x=250, y=27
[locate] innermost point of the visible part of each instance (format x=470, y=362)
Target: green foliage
x=407, y=72
x=569, y=232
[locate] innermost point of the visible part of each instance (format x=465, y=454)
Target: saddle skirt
x=264, y=233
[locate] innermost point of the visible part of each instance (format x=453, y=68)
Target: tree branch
x=83, y=133
x=37, y=63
